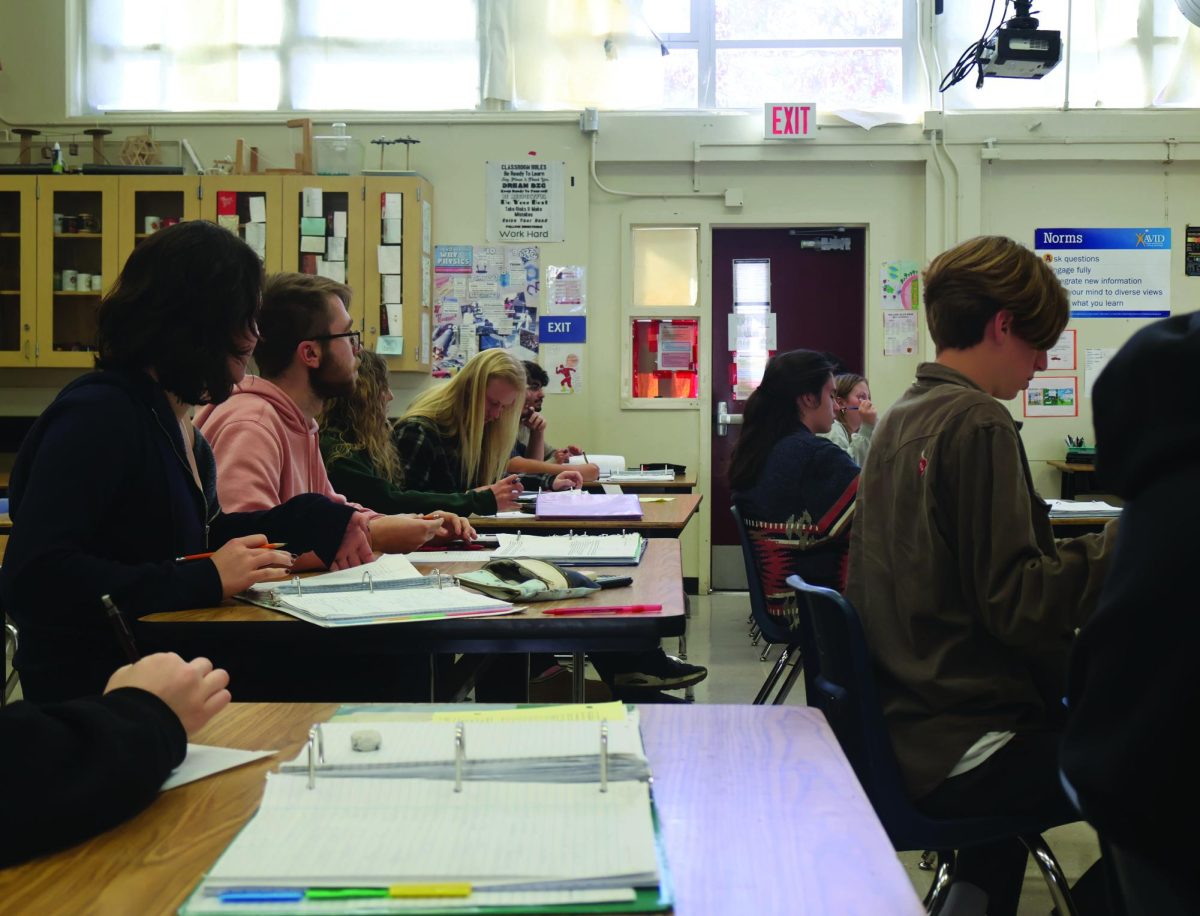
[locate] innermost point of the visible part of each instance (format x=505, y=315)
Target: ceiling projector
x=1014, y=52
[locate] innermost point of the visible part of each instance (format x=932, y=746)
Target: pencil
x=121, y=628
x=206, y=555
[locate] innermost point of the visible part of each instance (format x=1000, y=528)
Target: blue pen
x=265, y=895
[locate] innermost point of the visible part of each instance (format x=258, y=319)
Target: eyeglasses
x=355, y=338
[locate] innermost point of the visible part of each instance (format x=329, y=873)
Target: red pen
x=607, y=609
x=205, y=556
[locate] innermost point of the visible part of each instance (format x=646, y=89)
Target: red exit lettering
x=789, y=120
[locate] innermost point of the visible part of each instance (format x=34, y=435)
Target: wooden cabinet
x=410, y=319
x=251, y=206
x=326, y=237
x=18, y=270
x=152, y=202
x=76, y=264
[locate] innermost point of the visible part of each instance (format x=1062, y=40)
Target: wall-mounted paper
x=256, y=238
x=314, y=244
x=395, y=317
x=258, y=209
x=393, y=231
x=899, y=332
x=426, y=282
x=339, y=223
x=390, y=345
x=335, y=249
x=333, y=270
x=392, y=289
x=311, y=202
x=228, y=221
x=426, y=226
x=312, y=225
x=389, y=259
x=1052, y=396
x=393, y=206
x=1094, y=361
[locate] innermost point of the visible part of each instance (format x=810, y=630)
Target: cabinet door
x=323, y=231
x=249, y=205
x=399, y=230
x=149, y=203
x=18, y=270
x=77, y=230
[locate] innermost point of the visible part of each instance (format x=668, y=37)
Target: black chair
x=776, y=628
x=841, y=683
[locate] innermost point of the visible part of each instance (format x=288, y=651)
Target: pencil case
x=522, y=579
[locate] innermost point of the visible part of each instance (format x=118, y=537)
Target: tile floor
x=717, y=638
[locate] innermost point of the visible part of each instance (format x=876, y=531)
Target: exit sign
x=789, y=120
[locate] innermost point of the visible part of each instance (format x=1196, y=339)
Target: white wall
x=996, y=173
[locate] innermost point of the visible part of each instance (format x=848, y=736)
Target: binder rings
x=389, y=590
x=575, y=549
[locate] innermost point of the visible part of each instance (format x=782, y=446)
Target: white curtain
x=555, y=54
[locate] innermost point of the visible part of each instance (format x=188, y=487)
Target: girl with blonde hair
x=854, y=416
x=459, y=435
x=356, y=444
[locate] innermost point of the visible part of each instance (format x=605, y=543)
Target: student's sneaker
x=665, y=672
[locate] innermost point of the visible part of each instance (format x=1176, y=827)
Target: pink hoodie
x=267, y=450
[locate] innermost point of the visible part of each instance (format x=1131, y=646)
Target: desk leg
x=578, y=677
x=1067, y=489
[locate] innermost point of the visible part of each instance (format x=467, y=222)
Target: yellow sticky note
x=566, y=712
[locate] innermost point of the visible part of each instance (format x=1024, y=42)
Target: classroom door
x=813, y=281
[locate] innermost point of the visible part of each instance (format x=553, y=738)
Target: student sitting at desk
x=784, y=472
x=72, y=770
x=531, y=454
x=265, y=435
x=969, y=603
x=356, y=443
x=113, y=484
x=460, y=434
x=854, y=418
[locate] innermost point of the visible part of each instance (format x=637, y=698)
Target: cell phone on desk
x=612, y=581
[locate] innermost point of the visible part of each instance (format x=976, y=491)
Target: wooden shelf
x=76, y=292
x=79, y=235
x=10, y=235
x=10, y=292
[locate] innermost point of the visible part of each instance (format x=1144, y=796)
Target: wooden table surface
x=684, y=482
x=760, y=814
x=658, y=579
x=659, y=520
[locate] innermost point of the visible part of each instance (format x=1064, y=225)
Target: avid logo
x=1148, y=239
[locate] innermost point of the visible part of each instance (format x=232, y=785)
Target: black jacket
x=102, y=502
x=73, y=770
x=1133, y=688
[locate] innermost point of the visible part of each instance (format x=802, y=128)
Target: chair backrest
x=775, y=628
x=842, y=685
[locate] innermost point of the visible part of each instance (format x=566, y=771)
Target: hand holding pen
x=248, y=560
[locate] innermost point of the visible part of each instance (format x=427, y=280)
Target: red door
x=817, y=292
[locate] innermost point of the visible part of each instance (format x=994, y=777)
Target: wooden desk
x=1079, y=524
x=760, y=813
x=1076, y=478
x=683, y=483
x=659, y=520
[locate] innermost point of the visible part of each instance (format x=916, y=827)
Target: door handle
x=725, y=419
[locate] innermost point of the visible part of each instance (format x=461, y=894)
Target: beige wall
x=996, y=173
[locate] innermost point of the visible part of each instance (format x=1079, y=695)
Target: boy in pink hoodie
x=265, y=435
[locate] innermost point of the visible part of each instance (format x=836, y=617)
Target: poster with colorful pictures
x=900, y=285
x=484, y=296
x=1052, y=396
x=564, y=363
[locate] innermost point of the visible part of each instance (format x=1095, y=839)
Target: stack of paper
x=1068, y=508
x=633, y=475
x=575, y=549
x=389, y=590
x=569, y=504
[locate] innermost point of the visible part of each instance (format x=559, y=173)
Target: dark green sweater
x=353, y=474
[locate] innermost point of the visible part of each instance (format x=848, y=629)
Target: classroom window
x=666, y=266
x=666, y=353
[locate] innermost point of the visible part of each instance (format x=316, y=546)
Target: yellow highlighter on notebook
x=446, y=889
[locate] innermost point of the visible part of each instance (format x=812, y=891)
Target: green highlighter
x=447, y=889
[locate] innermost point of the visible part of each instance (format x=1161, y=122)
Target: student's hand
x=454, y=528
x=506, y=491
x=535, y=421
x=561, y=455
x=590, y=472
x=568, y=480
x=241, y=562
x=402, y=533
x=355, y=548
x=194, y=690
x=867, y=411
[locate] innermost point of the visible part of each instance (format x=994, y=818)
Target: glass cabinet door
x=18, y=270
x=153, y=202
x=76, y=264
x=248, y=205
x=323, y=220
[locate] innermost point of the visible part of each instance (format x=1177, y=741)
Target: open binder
x=388, y=590
x=575, y=549
x=540, y=842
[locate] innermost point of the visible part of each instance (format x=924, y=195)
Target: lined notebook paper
x=575, y=549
